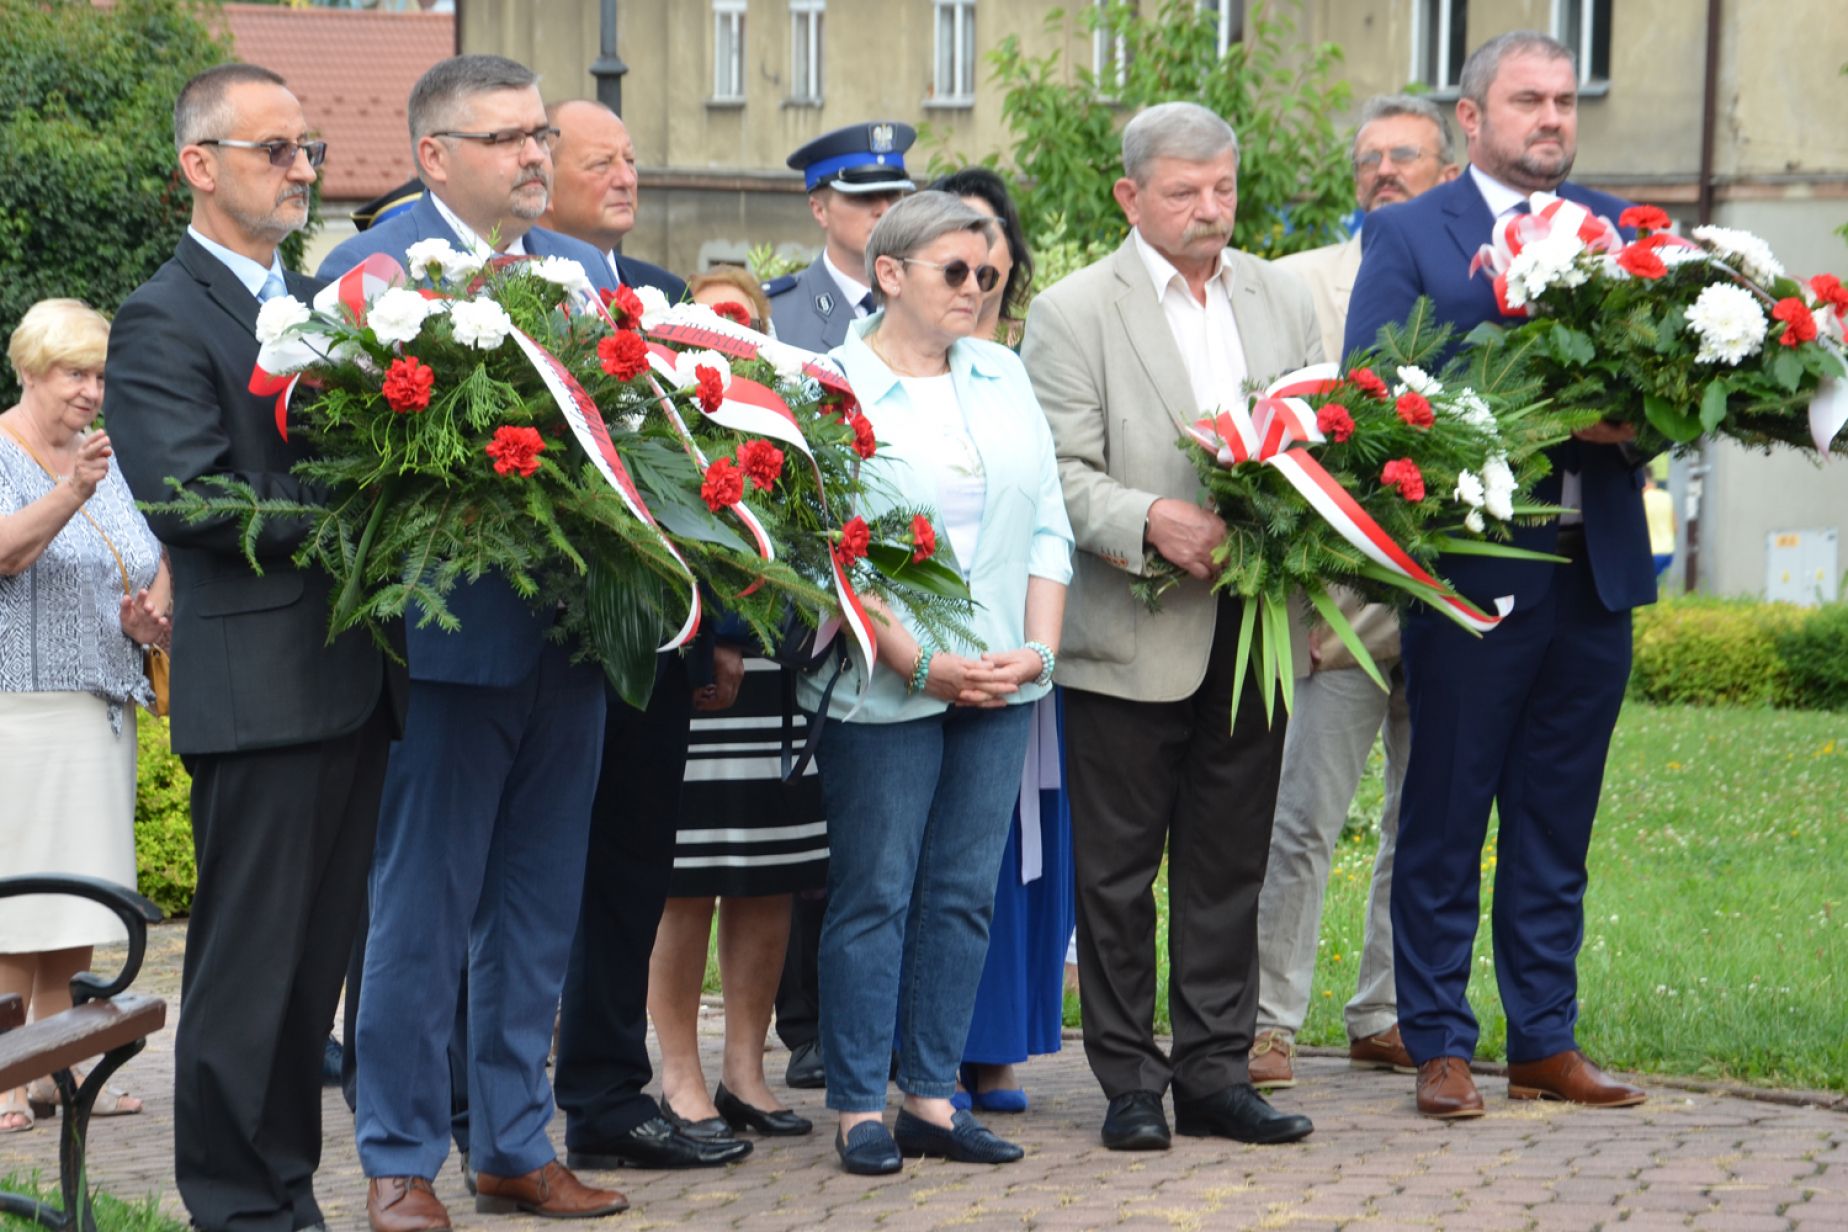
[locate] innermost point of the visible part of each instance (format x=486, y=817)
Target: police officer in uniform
x=854, y=174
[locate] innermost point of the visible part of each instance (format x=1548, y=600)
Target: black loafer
x=1241, y=1114
x=967, y=1141
x=805, y=1072
x=709, y=1127
x=868, y=1150
x=656, y=1144
x=1136, y=1122
x=740, y=1115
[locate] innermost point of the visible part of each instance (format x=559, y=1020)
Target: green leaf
x=624, y=628
x=1713, y=406
x=1572, y=346
x=1241, y=658
x=932, y=575
x=693, y=522
x=1337, y=621
x=1488, y=547
x=1787, y=368
x=1676, y=425
x=1267, y=655
x=1279, y=609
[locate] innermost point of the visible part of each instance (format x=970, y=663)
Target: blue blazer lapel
x=1467, y=216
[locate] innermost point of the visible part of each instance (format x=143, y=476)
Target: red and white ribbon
x=1548, y=214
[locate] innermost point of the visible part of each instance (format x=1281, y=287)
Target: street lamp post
x=608, y=67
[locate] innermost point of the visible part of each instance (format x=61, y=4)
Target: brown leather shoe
x=1446, y=1091
x=1272, y=1057
x=1382, y=1051
x=1570, y=1076
x=404, y=1204
x=552, y=1192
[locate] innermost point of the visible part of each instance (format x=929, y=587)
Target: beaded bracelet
x=920, y=668
x=1048, y=661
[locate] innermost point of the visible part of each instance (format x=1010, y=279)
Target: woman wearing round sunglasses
x=923, y=774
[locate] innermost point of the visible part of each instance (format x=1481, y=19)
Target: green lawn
x=112, y=1214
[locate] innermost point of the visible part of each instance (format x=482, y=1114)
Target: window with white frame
x=1109, y=52
x=1228, y=22
x=1585, y=27
x=1439, y=42
x=728, y=51
x=805, y=49
x=953, y=77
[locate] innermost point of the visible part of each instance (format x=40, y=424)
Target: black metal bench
x=104, y=1020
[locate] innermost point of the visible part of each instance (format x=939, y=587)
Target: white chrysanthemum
x=686, y=362
x=654, y=305
x=1752, y=255
x=431, y=258
x=1418, y=381
x=563, y=272
x=1468, y=406
x=1547, y=261
x=1469, y=489
x=1729, y=323
x=280, y=315
x=480, y=323
x=1474, y=521
x=787, y=360
x=397, y=315
x=1498, y=488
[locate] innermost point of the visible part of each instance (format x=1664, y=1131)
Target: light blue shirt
x=246, y=271
x=1024, y=531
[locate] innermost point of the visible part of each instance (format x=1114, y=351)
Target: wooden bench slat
x=55, y=1043
x=12, y=1011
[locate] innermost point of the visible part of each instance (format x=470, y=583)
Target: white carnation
x=787, y=360
x=454, y=265
x=654, y=305
x=397, y=315
x=685, y=362
x=1468, y=406
x=1752, y=255
x=1469, y=489
x=1418, y=381
x=1473, y=520
x=1498, y=488
x=280, y=315
x=480, y=323
x=1549, y=261
x=1729, y=323
x=563, y=272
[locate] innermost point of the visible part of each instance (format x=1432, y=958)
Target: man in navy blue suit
x=486, y=811
x=1522, y=717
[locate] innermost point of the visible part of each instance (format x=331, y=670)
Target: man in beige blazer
x=1123, y=356
x=1402, y=147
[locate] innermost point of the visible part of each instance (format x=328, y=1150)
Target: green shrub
x=1701, y=651
x=163, y=821
x=1815, y=655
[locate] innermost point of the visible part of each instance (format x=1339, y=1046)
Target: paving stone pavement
x=1683, y=1160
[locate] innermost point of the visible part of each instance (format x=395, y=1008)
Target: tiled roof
x=353, y=71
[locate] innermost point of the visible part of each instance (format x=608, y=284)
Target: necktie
x=866, y=304
x=272, y=287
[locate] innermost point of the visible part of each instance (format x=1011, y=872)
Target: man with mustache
x=1160, y=756
x=486, y=813
x=1401, y=148
x=285, y=734
x=1520, y=719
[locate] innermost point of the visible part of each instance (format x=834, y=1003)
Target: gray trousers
x=1324, y=754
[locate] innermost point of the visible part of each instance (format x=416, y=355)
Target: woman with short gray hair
x=926, y=766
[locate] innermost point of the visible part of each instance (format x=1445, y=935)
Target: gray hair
x=916, y=221
x=1485, y=62
x=1386, y=106
x=203, y=109
x=440, y=91
x=1186, y=131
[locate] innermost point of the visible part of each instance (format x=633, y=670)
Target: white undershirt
x=1206, y=334
x=948, y=451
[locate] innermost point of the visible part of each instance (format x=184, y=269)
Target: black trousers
x=283, y=839
x=1184, y=778
x=798, y=994
x=603, y=1025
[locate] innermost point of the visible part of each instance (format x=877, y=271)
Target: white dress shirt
x=1205, y=334
x=477, y=246
x=851, y=287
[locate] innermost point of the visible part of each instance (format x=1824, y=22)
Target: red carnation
x=1799, y=325
x=1368, y=382
x=516, y=449
x=762, y=462
x=626, y=306
x=1644, y=218
x=1333, y=420
x=1829, y=290
x=864, y=443
x=732, y=310
x=1640, y=260
x=924, y=536
x=1403, y=474
x=853, y=544
x=710, y=389
x=844, y=405
x=1415, y=409
x=623, y=354
x=723, y=486
x=407, y=384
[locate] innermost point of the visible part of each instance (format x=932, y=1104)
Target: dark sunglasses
x=957, y=272
x=281, y=153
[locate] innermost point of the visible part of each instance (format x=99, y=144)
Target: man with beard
x=486, y=811
x=1520, y=719
x=1401, y=149
x=284, y=733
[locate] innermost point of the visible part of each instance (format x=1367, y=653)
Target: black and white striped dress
x=742, y=831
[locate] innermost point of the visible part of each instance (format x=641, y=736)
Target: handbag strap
x=793, y=766
x=121, y=566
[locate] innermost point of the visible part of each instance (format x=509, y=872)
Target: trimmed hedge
x=1701, y=651
x=163, y=821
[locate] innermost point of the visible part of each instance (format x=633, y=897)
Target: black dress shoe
x=868, y=1150
x=805, y=1072
x=709, y=1127
x=740, y=1115
x=1238, y=1113
x=1136, y=1122
x=967, y=1141
x=656, y=1144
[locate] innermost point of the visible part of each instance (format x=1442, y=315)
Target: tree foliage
x=1279, y=94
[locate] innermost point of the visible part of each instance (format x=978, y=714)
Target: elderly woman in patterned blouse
x=83, y=590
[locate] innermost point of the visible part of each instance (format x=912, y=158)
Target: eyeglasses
x=957, y=272
x=545, y=137
x=281, y=153
x=1370, y=161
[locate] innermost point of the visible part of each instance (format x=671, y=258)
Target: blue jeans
x=919, y=815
